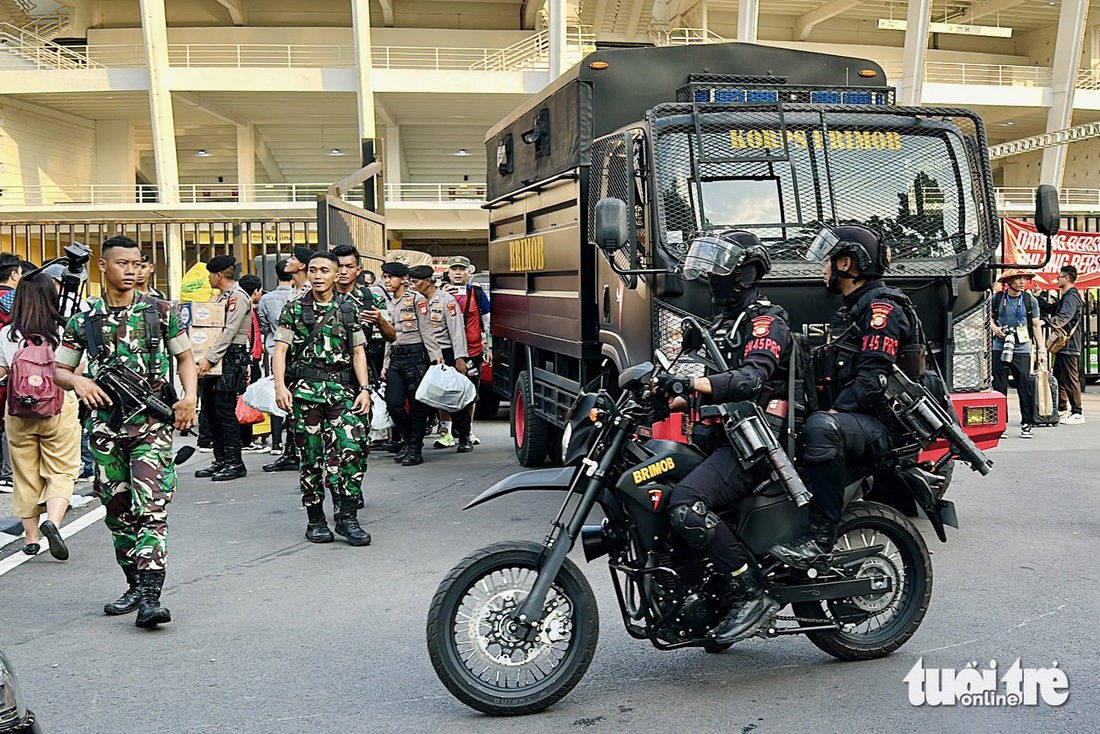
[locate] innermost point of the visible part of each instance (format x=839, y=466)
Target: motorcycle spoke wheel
x=489, y=662
x=886, y=620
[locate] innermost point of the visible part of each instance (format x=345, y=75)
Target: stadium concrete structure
x=201, y=126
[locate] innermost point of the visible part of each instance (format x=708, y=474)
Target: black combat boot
x=751, y=608
x=413, y=457
x=211, y=470
x=317, y=530
x=150, y=612
x=393, y=446
x=402, y=453
x=287, y=462
x=347, y=523
x=129, y=600
x=234, y=467
x=811, y=549
x=464, y=445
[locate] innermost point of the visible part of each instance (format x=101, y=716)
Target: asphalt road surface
x=273, y=635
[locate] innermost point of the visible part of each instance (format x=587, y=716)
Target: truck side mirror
x=1047, y=216
x=611, y=225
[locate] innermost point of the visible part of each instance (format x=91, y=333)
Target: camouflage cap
x=461, y=261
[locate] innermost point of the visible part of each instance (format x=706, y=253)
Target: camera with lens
x=77, y=255
x=1010, y=344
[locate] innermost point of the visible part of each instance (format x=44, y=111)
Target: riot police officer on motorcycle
x=876, y=328
x=756, y=341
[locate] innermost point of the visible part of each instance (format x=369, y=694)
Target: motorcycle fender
x=938, y=512
x=557, y=479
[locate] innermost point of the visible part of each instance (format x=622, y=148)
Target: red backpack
x=31, y=391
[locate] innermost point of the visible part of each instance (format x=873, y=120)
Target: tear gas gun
x=920, y=412
x=753, y=441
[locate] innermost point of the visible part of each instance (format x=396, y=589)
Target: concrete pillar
x=748, y=18
x=916, y=51
x=1094, y=46
x=116, y=159
x=1067, y=59
x=80, y=19
x=558, y=37
x=360, y=21
x=155, y=35
x=393, y=162
x=246, y=162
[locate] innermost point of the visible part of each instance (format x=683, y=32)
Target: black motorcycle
x=513, y=627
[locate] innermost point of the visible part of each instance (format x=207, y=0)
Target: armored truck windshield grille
x=785, y=172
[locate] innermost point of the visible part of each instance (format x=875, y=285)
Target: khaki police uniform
x=406, y=361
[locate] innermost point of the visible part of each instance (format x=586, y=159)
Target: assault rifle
x=919, y=411
x=130, y=395
x=753, y=441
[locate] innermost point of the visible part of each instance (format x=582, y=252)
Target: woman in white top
x=45, y=452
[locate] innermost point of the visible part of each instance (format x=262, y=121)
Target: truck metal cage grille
x=667, y=336
x=784, y=171
x=614, y=162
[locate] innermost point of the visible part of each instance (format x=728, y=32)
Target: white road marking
x=67, y=531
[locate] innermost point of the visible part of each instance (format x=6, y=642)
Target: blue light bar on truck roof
x=730, y=89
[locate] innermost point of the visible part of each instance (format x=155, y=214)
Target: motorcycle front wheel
x=484, y=664
x=881, y=623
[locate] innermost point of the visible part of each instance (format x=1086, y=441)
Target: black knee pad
x=694, y=523
x=821, y=439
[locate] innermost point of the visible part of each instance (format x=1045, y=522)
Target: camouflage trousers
x=136, y=484
x=330, y=439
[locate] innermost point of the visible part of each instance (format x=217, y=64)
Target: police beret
x=398, y=269
x=421, y=272
x=302, y=254
x=220, y=263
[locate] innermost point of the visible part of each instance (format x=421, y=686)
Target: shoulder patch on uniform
x=452, y=309
x=231, y=304
x=761, y=325
x=880, y=314
x=423, y=306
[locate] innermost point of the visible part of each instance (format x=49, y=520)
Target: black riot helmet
x=862, y=244
x=734, y=263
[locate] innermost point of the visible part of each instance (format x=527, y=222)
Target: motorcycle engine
x=700, y=594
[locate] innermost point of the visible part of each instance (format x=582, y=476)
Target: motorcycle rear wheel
x=476, y=657
x=896, y=615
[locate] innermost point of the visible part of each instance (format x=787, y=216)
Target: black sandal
x=31, y=549
x=58, y=549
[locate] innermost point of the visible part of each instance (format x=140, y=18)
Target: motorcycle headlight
x=12, y=711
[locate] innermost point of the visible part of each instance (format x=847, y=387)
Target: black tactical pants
x=1067, y=370
x=406, y=370
x=837, y=449
x=460, y=421
x=225, y=431
x=720, y=483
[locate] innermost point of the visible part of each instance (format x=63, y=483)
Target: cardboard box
x=202, y=338
x=204, y=314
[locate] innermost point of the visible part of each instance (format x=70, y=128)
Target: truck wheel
x=530, y=433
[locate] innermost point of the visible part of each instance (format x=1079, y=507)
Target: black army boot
x=751, y=607
x=413, y=457
x=402, y=453
x=234, y=467
x=464, y=445
x=812, y=548
x=130, y=598
x=150, y=612
x=287, y=462
x=347, y=522
x=211, y=470
x=317, y=531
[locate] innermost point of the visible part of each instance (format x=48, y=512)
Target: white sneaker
x=1075, y=419
x=475, y=440
x=206, y=449
x=1063, y=414
x=256, y=447
x=1025, y=431
x=6, y=486
x=445, y=441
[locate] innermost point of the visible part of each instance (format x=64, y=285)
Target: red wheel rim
x=520, y=419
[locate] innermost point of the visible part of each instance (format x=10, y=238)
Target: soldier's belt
x=343, y=377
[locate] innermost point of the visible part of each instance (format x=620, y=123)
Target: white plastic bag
x=444, y=388
x=380, y=415
x=261, y=396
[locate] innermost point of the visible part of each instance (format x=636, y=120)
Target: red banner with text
x=1025, y=246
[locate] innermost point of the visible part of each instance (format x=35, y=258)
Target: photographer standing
x=124, y=330
x=1066, y=314
x=1015, y=324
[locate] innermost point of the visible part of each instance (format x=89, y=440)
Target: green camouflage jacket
x=329, y=351
x=124, y=337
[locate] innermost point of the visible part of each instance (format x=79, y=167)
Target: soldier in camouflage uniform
x=135, y=452
x=319, y=358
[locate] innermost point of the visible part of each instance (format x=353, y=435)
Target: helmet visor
x=822, y=246
x=711, y=255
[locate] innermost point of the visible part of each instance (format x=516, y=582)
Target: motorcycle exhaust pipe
x=594, y=542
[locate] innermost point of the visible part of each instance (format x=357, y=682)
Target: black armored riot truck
x=700, y=139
